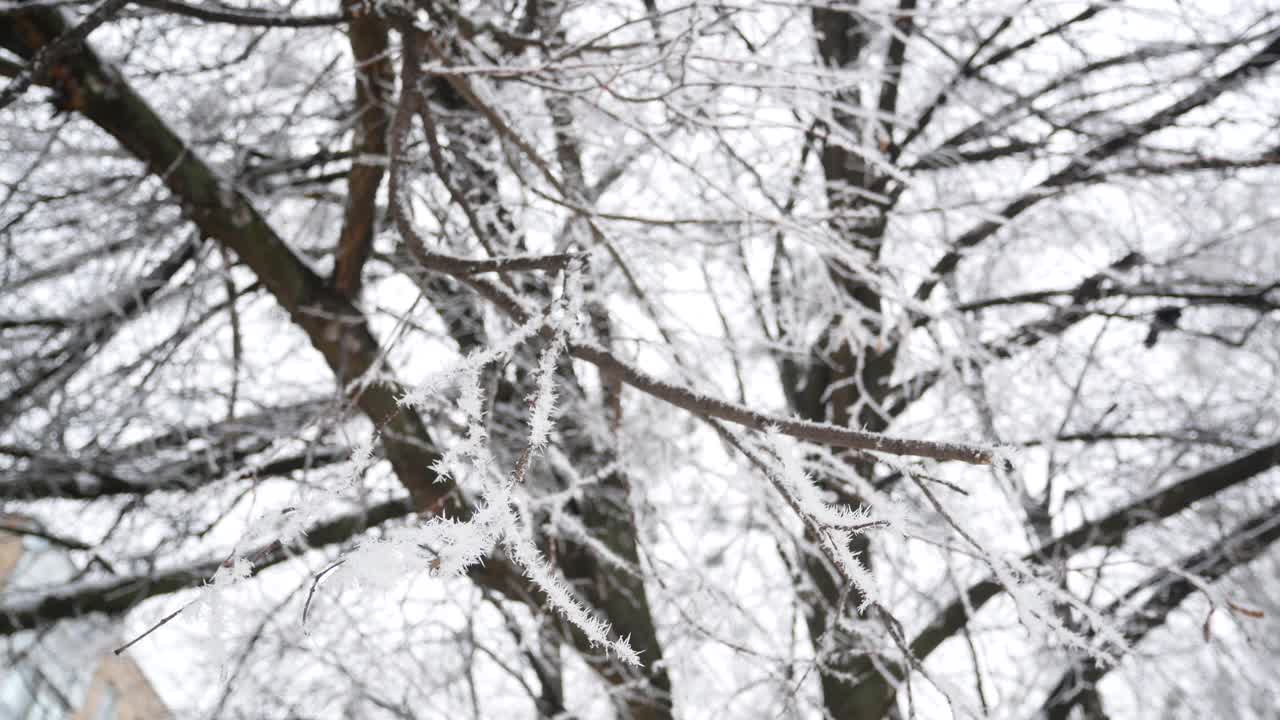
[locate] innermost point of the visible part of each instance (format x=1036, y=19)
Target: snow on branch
x=448, y=546
x=707, y=406
x=832, y=526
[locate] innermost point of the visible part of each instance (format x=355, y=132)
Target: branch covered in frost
x=1107, y=531
x=459, y=546
x=118, y=596
x=703, y=405
x=1166, y=590
x=561, y=598
x=1082, y=166
x=831, y=526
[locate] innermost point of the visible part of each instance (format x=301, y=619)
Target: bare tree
x=841, y=359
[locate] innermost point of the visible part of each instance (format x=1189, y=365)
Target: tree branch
x=1167, y=590
x=72, y=480
x=335, y=327
x=118, y=596
x=243, y=17
x=374, y=79
x=704, y=405
x=96, y=332
x=38, y=68
x=1082, y=166
x=1107, y=531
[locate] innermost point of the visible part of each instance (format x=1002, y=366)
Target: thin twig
x=152, y=629
x=306, y=607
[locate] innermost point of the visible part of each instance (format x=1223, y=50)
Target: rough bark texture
x=368, y=35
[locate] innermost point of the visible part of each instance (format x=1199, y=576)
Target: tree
x=806, y=359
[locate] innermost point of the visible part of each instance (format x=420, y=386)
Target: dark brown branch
x=952, y=158
x=1090, y=289
x=904, y=22
x=1066, y=316
x=89, y=481
x=118, y=596
x=1096, y=287
x=32, y=530
x=1247, y=296
x=244, y=17
x=38, y=70
x=374, y=78
x=986, y=127
x=1208, y=164
x=814, y=432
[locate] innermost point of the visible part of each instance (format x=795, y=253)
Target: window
x=106, y=703
x=26, y=694
x=16, y=694
x=40, y=564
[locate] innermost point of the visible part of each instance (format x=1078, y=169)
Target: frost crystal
x=834, y=526
x=453, y=546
